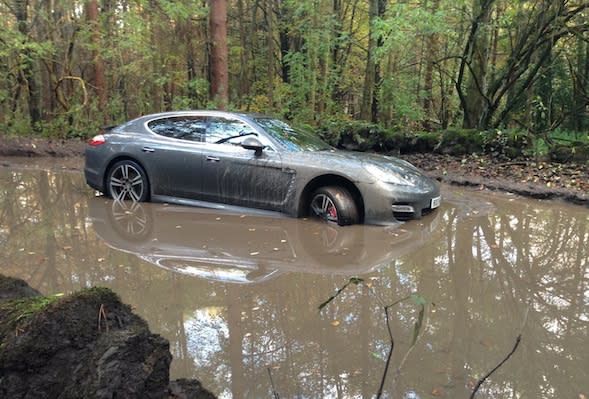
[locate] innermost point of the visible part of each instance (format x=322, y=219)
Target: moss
x=500, y=144
x=570, y=152
x=15, y=314
x=460, y=141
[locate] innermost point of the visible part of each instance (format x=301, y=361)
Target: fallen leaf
x=437, y=392
x=335, y=323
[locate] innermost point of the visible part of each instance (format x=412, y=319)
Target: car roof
x=201, y=112
x=140, y=121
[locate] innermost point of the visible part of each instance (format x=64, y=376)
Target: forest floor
x=527, y=177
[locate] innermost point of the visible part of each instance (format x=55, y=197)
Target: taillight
x=97, y=140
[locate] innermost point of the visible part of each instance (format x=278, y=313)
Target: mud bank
x=84, y=345
x=536, y=179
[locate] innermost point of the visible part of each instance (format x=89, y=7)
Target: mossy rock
x=460, y=141
x=353, y=135
x=508, y=144
x=425, y=141
x=574, y=152
x=13, y=288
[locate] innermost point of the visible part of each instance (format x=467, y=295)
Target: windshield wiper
x=225, y=139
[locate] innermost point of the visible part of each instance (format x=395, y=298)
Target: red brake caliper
x=332, y=212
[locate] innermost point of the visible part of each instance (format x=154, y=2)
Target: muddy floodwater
x=238, y=295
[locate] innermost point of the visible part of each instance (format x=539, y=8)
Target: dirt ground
x=537, y=179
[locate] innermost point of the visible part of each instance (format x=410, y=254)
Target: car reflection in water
x=248, y=248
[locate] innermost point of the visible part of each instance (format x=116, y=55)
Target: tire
x=127, y=181
x=334, y=204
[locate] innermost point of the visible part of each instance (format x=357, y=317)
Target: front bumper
x=386, y=203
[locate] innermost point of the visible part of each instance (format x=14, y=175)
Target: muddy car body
x=223, y=160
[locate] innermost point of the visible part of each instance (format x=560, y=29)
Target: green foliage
x=155, y=55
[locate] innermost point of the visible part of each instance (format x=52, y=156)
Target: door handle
x=212, y=159
x=148, y=149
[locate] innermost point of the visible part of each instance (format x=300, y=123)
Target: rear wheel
x=127, y=181
x=334, y=204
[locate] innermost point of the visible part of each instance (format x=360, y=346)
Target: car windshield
x=290, y=138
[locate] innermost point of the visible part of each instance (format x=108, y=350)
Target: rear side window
x=188, y=127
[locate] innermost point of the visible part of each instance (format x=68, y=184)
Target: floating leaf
x=335, y=323
x=418, y=299
x=418, y=323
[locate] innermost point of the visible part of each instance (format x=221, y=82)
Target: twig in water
x=101, y=314
x=480, y=382
x=274, y=393
x=386, y=367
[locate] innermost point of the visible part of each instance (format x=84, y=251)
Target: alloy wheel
x=324, y=207
x=127, y=183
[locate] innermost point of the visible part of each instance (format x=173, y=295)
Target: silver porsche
x=228, y=160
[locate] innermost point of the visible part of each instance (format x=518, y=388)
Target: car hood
x=353, y=164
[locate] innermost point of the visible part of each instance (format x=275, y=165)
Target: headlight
x=386, y=176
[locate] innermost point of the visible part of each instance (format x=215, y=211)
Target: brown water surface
x=238, y=295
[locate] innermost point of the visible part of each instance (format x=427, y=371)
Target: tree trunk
x=271, y=50
x=99, y=81
x=27, y=75
x=432, y=44
x=219, y=53
x=476, y=59
x=369, y=106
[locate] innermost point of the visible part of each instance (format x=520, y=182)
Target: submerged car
x=228, y=160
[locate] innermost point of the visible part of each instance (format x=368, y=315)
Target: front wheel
x=127, y=181
x=334, y=204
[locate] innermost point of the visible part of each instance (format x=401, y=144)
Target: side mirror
x=252, y=143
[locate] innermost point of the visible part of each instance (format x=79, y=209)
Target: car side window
x=188, y=127
x=225, y=130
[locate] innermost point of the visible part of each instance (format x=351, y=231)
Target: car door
x=175, y=154
x=236, y=176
